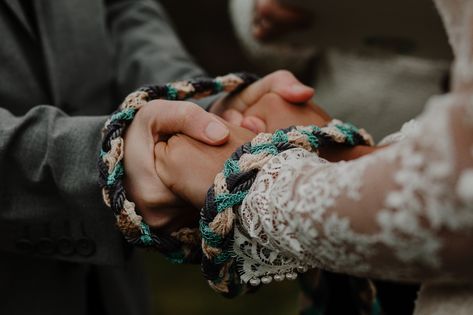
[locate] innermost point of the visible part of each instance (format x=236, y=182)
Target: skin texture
x=188, y=167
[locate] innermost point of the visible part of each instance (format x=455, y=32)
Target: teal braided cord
x=230, y=167
x=264, y=147
x=223, y=257
x=225, y=201
x=279, y=136
x=116, y=174
x=376, y=307
x=314, y=142
x=209, y=236
x=171, y=93
x=218, y=86
x=145, y=237
x=175, y=257
x=348, y=131
x=126, y=114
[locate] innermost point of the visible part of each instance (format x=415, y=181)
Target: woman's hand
x=188, y=167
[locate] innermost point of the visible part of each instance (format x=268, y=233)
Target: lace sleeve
x=402, y=213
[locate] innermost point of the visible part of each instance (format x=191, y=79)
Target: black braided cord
x=111, y=169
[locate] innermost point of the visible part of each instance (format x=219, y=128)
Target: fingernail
x=216, y=131
x=299, y=88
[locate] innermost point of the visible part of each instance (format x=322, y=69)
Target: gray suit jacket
x=63, y=66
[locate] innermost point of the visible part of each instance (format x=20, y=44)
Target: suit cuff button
x=85, y=247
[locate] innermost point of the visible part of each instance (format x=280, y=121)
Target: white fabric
x=403, y=213
x=269, y=56
x=374, y=86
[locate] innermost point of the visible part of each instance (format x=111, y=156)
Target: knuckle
x=172, y=143
x=283, y=75
x=187, y=112
x=271, y=100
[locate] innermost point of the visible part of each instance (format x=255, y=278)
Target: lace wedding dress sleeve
x=402, y=213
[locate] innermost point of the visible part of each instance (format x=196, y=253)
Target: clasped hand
x=174, y=149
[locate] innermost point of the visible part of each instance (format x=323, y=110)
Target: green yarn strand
x=231, y=167
x=264, y=148
x=145, y=237
x=314, y=142
x=209, y=236
x=126, y=114
x=279, y=137
x=116, y=174
x=225, y=201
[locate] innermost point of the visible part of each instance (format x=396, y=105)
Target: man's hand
x=159, y=207
x=188, y=167
x=273, y=19
x=236, y=107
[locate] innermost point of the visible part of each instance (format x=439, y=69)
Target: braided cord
x=219, y=263
x=184, y=245
x=233, y=183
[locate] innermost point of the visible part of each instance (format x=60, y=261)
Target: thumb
x=281, y=82
x=171, y=117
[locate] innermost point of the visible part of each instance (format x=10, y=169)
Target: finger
x=161, y=163
x=233, y=116
x=170, y=117
x=281, y=82
x=255, y=124
x=170, y=156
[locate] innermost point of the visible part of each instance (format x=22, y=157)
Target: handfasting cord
x=230, y=187
x=219, y=264
x=182, y=246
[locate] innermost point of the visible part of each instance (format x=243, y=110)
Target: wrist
x=233, y=183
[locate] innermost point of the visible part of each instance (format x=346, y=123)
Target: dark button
x=85, y=247
x=25, y=245
x=65, y=247
x=46, y=246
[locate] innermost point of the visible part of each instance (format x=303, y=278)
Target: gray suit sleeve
x=50, y=202
x=148, y=49
x=49, y=198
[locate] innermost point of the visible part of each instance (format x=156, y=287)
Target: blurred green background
x=206, y=31
x=181, y=289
